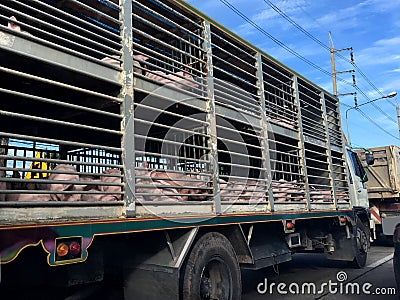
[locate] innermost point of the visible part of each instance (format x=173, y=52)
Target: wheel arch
x=211, y=252
x=235, y=235
x=363, y=214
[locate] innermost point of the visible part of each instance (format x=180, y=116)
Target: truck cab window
x=357, y=165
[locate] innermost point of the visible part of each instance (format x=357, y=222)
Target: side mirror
x=369, y=158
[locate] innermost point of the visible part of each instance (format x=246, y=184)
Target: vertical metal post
x=328, y=150
x=127, y=123
x=332, y=51
x=301, y=144
x=211, y=118
x=3, y=151
x=334, y=84
x=344, y=157
x=264, y=132
x=398, y=117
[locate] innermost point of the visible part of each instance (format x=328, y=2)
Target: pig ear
x=12, y=25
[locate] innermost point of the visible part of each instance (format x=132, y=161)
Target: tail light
x=289, y=226
x=68, y=249
x=74, y=248
x=62, y=250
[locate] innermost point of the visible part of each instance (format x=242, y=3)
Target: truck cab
x=357, y=183
x=357, y=178
x=384, y=189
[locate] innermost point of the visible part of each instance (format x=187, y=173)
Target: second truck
x=383, y=186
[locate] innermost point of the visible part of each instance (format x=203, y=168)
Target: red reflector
x=289, y=225
x=74, y=248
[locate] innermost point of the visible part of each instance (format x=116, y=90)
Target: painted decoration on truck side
x=14, y=239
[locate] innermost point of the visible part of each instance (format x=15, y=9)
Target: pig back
x=64, y=173
x=112, y=190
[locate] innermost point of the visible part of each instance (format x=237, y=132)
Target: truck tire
x=361, y=244
x=396, y=255
x=212, y=270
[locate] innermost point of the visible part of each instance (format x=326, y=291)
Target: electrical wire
x=295, y=24
x=278, y=42
x=376, y=124
x=344, y=104
x=370, y=119
x=287, y=48
x=308, y=34
x=376, y=106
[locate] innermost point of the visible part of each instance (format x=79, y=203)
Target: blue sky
x=371, y=27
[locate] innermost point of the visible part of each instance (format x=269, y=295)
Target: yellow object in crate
x=38, y=165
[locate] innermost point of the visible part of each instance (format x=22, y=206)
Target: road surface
x=312, y=276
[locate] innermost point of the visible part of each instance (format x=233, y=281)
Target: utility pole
x=398, y=116
x=332, y=51
x=334, y=72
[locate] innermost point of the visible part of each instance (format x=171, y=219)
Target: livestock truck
x=383, y=186
x=147, y=152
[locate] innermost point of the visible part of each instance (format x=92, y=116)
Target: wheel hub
x=205, y=288
x=216, y=281
x=362, y=243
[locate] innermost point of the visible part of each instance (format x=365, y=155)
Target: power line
x=287, y=48
x=308, y=34
x=295, y=24
x=278, y=42
x=344, y=104
x=368, y=118
x=352, y=62
x=376, y=106
x=385, y=113
x=341, y=56
x=376, y=124
x=299, y=27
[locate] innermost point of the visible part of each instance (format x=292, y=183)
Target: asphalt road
x=312, y=276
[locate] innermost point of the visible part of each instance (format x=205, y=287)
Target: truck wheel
x=361, y=245
x=212, y=270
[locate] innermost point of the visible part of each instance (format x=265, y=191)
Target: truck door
x=358, y=177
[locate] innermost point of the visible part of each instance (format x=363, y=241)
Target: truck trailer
x=147, y=152
x=383, y=186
